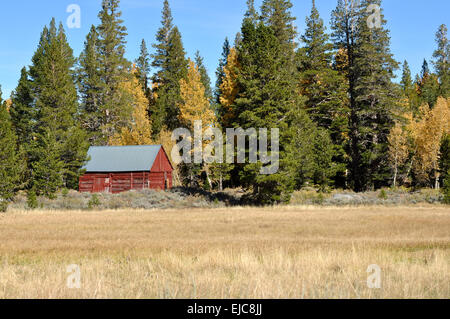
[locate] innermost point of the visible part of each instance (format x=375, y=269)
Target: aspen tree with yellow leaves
x=229, y=89
x=398, y=149
x=138, y=132
x=195, y=106
x=428, y=134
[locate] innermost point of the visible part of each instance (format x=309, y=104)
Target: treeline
x=343, y=121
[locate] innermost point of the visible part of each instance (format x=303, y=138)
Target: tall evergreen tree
x=160, y=63
x=206, y=80
x=114, y=68
x=22, y=110
x=91, y=87
x=143, y=68
x=427, y=86
x=171, y=65
x=12, y=164
x=48, y=168
x=406, y=82
x=442, y=60
x=372, y=94
x=408, y=91
x=251, y=12
x=267, y=98
x=168, y=88
x=220, y=74
x=325, y=89
x=56, y=104
x=162, y=47
x=277, y=14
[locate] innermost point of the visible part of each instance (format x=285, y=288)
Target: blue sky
x=204, y=24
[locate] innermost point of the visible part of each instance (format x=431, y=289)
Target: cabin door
x=99, y=185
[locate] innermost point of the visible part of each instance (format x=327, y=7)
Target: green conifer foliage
x=56, y=105
x=325, y=89
x=12, y=163
x=143, y=68
x=90, y=87
x=206, y=80
x=441, y=60
x=22, y=111
x=372, y=94
x=114, y=108
x=220, y=75
x=166, y=109
x=267, y=98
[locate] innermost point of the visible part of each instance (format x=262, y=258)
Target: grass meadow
x=275, y=252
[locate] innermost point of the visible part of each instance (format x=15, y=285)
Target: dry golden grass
x=280, y=252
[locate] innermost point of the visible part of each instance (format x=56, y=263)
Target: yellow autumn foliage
x=398, y=148
x=138, y=132
x=229, y=87
x=195, y=106
x=427, y=134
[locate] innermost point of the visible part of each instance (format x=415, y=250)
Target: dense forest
x=344, y=121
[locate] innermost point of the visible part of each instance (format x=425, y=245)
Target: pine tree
x=267, y=98
x=22, y=111
x=12, y=164
x=251, y=13
x=427, y=86
x=56, y=104
x=143, y=68
x=442, y=60
x=48, y=169
x=310, y=153
x=324, y=88
x=171, y=65
x=167, y=92
x=91, y=87
x=162, y=47
x=277, y=15
x=161, y=63
x=206, y=80
x=220, y=73
x=113, y=68
x=406, y=82
x=372, y=94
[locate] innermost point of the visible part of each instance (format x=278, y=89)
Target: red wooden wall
x=158, y=177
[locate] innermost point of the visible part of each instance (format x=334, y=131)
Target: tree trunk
x=436, y=183
x=209, y=180
x=395, y=176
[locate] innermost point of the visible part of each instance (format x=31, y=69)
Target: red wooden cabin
x=115, y=169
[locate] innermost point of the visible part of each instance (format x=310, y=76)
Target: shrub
x=32, y=202
x=94, y=201
x=65, y=192
x=382, y=195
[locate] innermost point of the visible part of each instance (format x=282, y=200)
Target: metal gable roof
x=121, y=158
